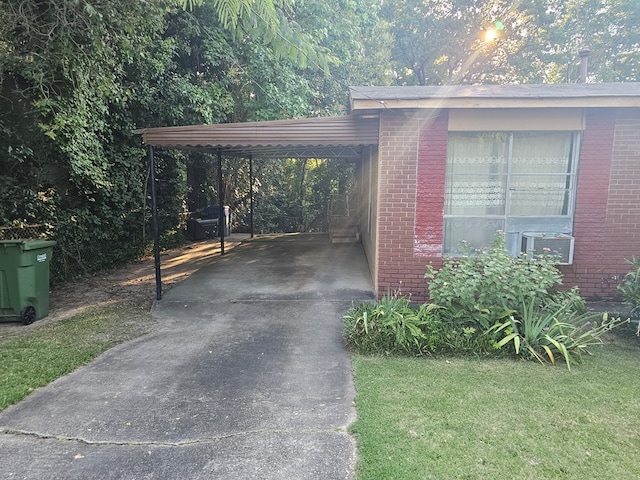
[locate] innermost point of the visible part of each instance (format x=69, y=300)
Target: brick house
x=553, y=166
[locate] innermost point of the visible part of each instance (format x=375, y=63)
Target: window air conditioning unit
x=536, y=244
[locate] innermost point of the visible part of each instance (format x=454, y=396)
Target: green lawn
x=48, y=351
x=421, y=418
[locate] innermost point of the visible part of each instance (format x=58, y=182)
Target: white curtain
x=540, y=185
x=491, y=176
x=476, y=178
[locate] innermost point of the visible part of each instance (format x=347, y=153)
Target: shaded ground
x=243, y=376
x=134, y=283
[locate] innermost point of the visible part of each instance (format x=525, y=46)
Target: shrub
x=481, y=288
x=489, y=303
x=572, y=298
x=390, y=326
x=547, y=334
x=393, y=326
x=630, y=287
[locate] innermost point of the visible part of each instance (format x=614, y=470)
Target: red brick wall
x=411, y=188
x=432, y=156
x=607, y=218
x=594, y=170
x=623, y=208
x=409, y=232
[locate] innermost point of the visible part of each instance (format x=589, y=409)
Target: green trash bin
x=24, y=279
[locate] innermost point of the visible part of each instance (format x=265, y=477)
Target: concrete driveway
x=245, y=377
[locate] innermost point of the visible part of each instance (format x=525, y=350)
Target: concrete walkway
x=245, y=377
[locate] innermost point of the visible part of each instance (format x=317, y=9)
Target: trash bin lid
x=28, y=244
x=38, y=244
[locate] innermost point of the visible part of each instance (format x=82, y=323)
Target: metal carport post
x=251, y=194
x=156, y=227
x=154, y=215
x=221, y=217
x=326, y=137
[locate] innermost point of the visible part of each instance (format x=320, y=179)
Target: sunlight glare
x=490, y=35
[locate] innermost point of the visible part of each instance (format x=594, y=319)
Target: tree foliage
x=608, y=29
x=77, y=77
x=438, y=42
x=275, y=23
x=64, y=95
x=443, y=42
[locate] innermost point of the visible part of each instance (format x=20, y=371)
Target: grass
x=36, y=358
x=477, y=418
x=419, y=418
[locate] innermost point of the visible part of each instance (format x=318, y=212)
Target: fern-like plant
x=390, y=326
x=630, y=287
x=550, y=334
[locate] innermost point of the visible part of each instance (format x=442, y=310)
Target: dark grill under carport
x=343, y=137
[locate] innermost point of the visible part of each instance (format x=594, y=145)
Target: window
x=511, y=181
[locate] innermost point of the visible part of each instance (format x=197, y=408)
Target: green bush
x=489, y=303
x=556, y=332
x=630, y=287
x=481, y=288
x=394, y=326
x=552, y=333
x=390, y=326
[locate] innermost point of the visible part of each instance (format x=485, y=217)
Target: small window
x=510, y=181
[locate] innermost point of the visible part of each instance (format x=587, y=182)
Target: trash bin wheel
x=28, y=315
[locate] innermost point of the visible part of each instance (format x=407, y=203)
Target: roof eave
x=370, y=105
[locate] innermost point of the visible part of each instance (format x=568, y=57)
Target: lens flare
x=490, y=35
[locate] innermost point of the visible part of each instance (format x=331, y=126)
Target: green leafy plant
x=390, y=326
x=393, y=326
x=395, y=316
x=576, y=302
x=479, y=288
x=630, y=287
x=549, y=334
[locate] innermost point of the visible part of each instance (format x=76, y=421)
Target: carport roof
x=324, y=137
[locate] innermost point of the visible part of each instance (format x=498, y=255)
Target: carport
x=342, y=137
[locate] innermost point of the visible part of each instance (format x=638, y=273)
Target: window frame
x=515, y=226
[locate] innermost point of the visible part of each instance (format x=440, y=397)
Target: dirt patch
x=133, y=284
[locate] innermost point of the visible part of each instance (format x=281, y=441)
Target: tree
x=64, y=121
x=534, y=41
x=609, y=29
x=443, y=42
x=350, y=30
x=274, y=22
